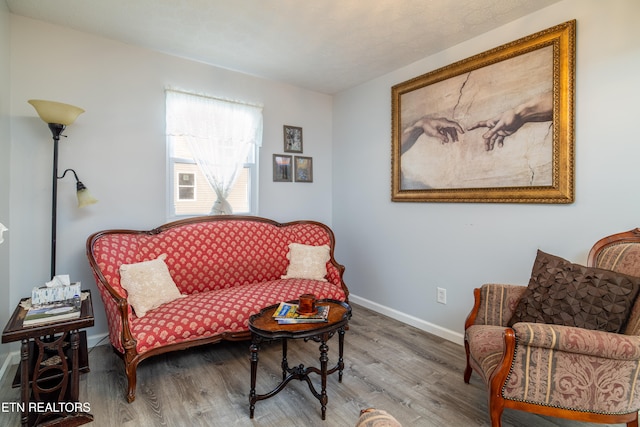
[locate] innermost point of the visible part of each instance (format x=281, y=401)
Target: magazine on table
x=41, y=314
x=287, y=313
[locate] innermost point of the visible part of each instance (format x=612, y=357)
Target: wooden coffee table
x=264, y=328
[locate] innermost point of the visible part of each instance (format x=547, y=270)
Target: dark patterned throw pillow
x=563, y=293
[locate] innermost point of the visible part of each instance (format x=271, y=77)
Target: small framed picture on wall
x=282, y=168
x=292, y=139
x=303, y=169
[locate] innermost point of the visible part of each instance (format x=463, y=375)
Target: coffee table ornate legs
x=285, y=362
x=324, y=358
x=254, y=371
x=265, y=328
x=340, y=353
x=299, y=372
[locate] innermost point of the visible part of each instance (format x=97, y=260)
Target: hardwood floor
x=415, y=376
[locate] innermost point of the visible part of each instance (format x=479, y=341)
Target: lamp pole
x=56, y=130
x=57, y=115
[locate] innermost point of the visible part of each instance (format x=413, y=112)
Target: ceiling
x=322, y=45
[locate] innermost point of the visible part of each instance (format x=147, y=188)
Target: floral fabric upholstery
x=241, y=260
x=497, y=303
x=623, y=258
x=575, y=368
x=214, y=313
x=486, y=346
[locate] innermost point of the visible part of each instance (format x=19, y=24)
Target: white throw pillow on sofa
x=307, y=262
x=148, y=284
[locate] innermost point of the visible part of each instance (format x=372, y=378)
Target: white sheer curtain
x=219, y=133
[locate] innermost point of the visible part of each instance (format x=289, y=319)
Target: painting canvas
x=497, y=127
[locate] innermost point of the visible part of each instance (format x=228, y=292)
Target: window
x=186, y=186
x=212, y=147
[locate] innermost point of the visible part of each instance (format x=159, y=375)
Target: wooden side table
x=264, y=327
x=51, y=359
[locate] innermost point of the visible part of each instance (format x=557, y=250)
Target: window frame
x=193, y=186
x=171, y=187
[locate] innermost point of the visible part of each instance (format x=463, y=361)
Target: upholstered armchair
x=577, y=372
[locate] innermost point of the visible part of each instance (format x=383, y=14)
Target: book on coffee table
x=287, y=313
x=38, y=315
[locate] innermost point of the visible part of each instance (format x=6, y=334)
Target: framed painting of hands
x=496, y=127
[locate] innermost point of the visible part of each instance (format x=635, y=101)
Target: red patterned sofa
x=227, y=268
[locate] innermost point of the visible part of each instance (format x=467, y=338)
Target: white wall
x=396, y=254
x=118, y=146
x=5, y=149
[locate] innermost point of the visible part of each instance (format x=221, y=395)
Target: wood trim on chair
x=471, y=320
x=473, y=314
x=499, y=378
x=631, y=236
x=631, y=419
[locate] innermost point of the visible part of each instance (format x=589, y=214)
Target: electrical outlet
x=441, y=296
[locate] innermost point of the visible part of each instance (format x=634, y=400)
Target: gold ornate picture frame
x=496, y=127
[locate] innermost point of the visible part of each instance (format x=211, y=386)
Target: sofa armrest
x=574, y=369
x=577, y=340
x=119, y=314
x=335, y=273
x=114, y=297
x=494, y=304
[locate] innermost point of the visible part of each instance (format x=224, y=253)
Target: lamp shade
x=85, y=198
x=56, y=112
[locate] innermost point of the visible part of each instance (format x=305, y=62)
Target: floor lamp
x=58, y=116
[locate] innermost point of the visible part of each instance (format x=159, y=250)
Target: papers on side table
x=38, y=315
x=287, y=313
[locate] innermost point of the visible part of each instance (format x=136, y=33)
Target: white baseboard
x=439, y=331
x=13, y=358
